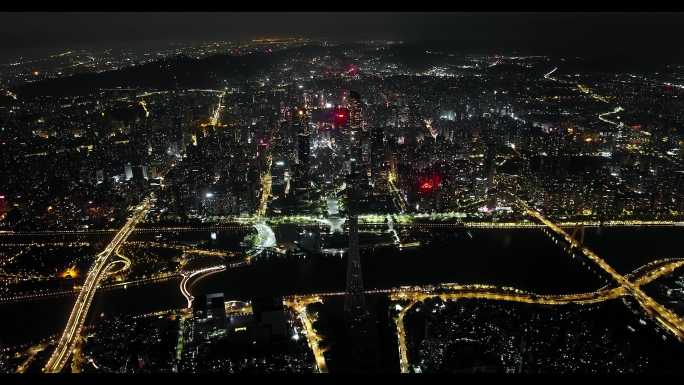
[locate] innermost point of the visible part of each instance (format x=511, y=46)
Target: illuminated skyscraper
x=302, y=177
x=379, y=166
x=354, y=301
x=355, y=111
x=128, y=170
x=359, y=143
x=303, y=150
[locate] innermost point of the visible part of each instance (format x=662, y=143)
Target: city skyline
x=635, y=36
x=300, y=204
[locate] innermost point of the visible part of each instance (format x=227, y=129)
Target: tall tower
x=361, y=331
x=354, y=303
x=361, y=334
x=359, y=142
x=302, y=177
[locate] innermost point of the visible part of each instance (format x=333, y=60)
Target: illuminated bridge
x=411, y=295
x=99, y=268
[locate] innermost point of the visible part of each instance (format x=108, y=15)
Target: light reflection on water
x=522, y=258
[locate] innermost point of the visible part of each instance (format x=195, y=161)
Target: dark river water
x=627, y=248
x=523, y=258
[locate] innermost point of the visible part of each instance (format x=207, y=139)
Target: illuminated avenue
x=369, y=220
x=78, y=315
x=407, y=297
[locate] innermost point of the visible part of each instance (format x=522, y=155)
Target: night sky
x=641, y=36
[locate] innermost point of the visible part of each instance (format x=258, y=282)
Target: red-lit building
x=340, y=117
x=430, y=183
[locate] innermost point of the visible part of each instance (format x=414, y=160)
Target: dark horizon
x=634, y=36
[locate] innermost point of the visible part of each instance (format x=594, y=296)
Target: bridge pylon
x=578, y=230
